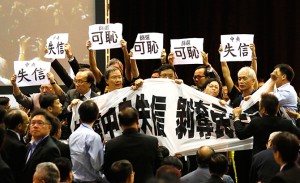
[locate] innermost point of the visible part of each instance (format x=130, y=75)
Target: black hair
x=88, y=111
x=287, y=70
x=47, y=99
x=128, y=116
x=120, y=171
x=174, y=161
x=270, y=103
x=13, y=118
x=64, y=166
x=218, y=164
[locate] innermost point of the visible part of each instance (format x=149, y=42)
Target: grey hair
x=48, y=172
x=249, y=70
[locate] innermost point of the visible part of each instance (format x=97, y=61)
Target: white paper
x=55, y=45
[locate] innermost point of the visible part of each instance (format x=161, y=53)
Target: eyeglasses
x=39, y=123
x=198, y=77
x=45, y=88
x=75, y=81
x=116, y=77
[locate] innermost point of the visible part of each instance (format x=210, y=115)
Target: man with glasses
x=32, y=102
x=84, y=81
x=42, y=148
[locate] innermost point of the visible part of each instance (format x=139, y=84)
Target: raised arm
x=226, y=73
x=72, y=60
x=22, y=47
x=212, y=72
x=128, y=74
x=134, y=69
x=93, y=64
x=254, y=63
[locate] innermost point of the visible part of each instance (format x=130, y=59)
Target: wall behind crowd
x=274, y=23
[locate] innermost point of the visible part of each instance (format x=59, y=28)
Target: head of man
x=55, y=129
x=284, y=74
x=268, y=105
x=122, y=172
x=155, y=74
x=203, y=155
x=5, y=103
x=88, y=112
x=212, y=87
x=200, y=75
x=46, y=88
x=113, y=78
x=64, y=166
x=116, y=63
x=40, y=123
x=128, y=118
x=246, y=79
x=51, y=103
x=16, y=120
x=46, y=172
x=285, y=148
x=271, y=137
x=167, y=71
x=84, y=80
x=218, y=164
x=173, y=161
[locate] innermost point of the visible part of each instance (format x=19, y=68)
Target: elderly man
x=42, y=147
x=32, y=103
x=46, y=172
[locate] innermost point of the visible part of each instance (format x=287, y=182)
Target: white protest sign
x=31, y=73
x=182, y=120
x=148, y=46
x=55, y=45
x=236, y=47
x=187, y=51
x=104, y=36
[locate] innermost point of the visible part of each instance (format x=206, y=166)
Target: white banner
x=236, y=47
x=105, y=36
x=148, y=46
x=187, y=51
x=55, y=45
x=30, y=73
x=182, y=118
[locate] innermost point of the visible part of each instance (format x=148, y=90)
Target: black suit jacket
x=6, y=174
x=263, y=167
x=63, y=148
x=45, y=151
x=261, y=128
x=73, y=94
x=13, y=153
x=289, y=174
x=214, y=179
x=140, y=149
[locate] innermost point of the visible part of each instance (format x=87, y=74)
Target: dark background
x=274, y=23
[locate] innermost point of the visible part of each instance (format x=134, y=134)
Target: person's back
x=141, y=150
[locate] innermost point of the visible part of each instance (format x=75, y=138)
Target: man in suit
x=6, y=174
x=263, y=166
x=261, y=127
x=83, y=81
x=218, y=166
x=140, y=149
x=201, y=174
x=14, y=149
x=286, y=151
x=42, y=148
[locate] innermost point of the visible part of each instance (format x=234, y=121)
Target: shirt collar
x=88, y=94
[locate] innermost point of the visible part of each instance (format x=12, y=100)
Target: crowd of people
x=40, y=144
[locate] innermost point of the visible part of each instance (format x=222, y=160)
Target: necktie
x=32, y=148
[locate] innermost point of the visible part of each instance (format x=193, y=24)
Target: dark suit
x=289, y=174
x=13, y=153
x=63, y=148
x=214, y=179
x=6, y=174
x=141, y=150
x=263, y=167
x=261, y=128
x=45, y=151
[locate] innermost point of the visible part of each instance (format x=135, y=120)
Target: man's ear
x=49, y=108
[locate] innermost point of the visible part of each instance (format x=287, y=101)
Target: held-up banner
x=148, y=46
x=30, y=73
x=55, y=45
x=187, y=51
x=236, y=47
x=182, y=118
x=105, y=36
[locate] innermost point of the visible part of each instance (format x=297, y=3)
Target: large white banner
x=236, y=47
x=104, y=36
x=182, y=118
x=187, y=51
x=30, y=73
